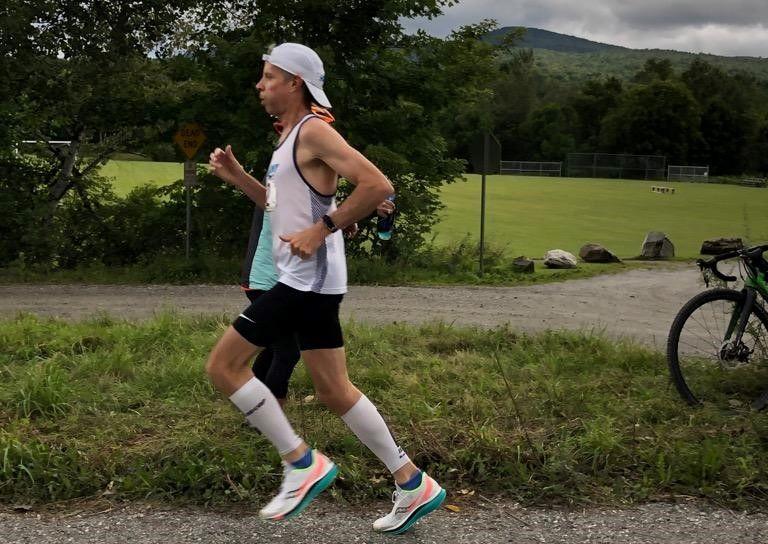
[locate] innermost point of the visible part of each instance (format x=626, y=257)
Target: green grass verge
x=438, y=267
x=372, y=272
x=124, y=407
x=172, y=269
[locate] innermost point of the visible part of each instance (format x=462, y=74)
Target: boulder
x=557, y=258
x=522, y=264
x=595, y=253
x=717, y=246
x=657, y=246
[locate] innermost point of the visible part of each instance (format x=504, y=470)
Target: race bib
x=271, y=203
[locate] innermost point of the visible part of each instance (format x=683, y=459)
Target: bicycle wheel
x=706, y=364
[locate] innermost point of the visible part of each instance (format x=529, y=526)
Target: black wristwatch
x=330, y=224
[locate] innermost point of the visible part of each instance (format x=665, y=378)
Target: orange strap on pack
x=321, y=112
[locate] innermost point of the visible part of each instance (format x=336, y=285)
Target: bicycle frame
x=754, y=284
x=758, y=283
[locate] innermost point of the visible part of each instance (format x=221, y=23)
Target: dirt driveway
x=638, y=304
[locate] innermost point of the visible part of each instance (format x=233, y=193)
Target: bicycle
x=717, y=349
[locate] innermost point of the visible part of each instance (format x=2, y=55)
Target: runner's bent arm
x=371, y=186
x=224, y=165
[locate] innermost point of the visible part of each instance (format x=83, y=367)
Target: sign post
x=189, y=138
x=486, y=159
x=190, y=180
x=486, y=137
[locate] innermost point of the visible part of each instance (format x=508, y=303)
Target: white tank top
x=294, y=205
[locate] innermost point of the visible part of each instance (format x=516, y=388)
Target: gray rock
x=717, y=246
x=595, y=253
x=557, y=258
x=522, y=264
x=657, y=246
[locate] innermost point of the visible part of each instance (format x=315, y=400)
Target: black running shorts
x=312, y=317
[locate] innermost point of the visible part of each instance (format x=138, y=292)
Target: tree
x=514, y=97
x=661, y=118
x=594, y=102
x=708, y=82
x=727, y=125
x=412, y=105
x=82, y=75
x=758, y=152
x=725, y=133
x=549, y=131
x=655, y=69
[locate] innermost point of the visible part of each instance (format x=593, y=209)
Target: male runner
x=308, y=251
x=275, y=364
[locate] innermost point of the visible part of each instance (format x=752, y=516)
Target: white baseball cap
x=302, y=61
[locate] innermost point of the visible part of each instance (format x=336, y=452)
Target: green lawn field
x=529, y=215
x=130, y=174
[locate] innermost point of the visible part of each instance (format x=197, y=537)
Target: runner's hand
x=385, y=208
x=224, y=165
x=305, y=242
x=351, y=231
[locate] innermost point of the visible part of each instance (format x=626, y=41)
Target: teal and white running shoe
x=300, y=486
x=411, y=506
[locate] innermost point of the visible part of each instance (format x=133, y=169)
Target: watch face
x=330, y=224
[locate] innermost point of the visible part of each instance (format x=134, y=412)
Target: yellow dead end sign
x=189, y=138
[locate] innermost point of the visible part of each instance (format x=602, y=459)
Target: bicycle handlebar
x=712, y=266
x=753, y=253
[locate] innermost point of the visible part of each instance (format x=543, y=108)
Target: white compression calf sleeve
x=261, y=409
x=368, y=425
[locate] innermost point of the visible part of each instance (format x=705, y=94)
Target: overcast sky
x=721, y=27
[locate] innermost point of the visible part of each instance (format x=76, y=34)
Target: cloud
x=710, y=26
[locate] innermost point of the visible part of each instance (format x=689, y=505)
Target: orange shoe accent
x=427, y=492
x=314, y=475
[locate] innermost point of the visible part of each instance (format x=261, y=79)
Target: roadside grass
x=123, y=409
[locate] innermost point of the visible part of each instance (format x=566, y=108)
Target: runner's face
x=274, y=88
